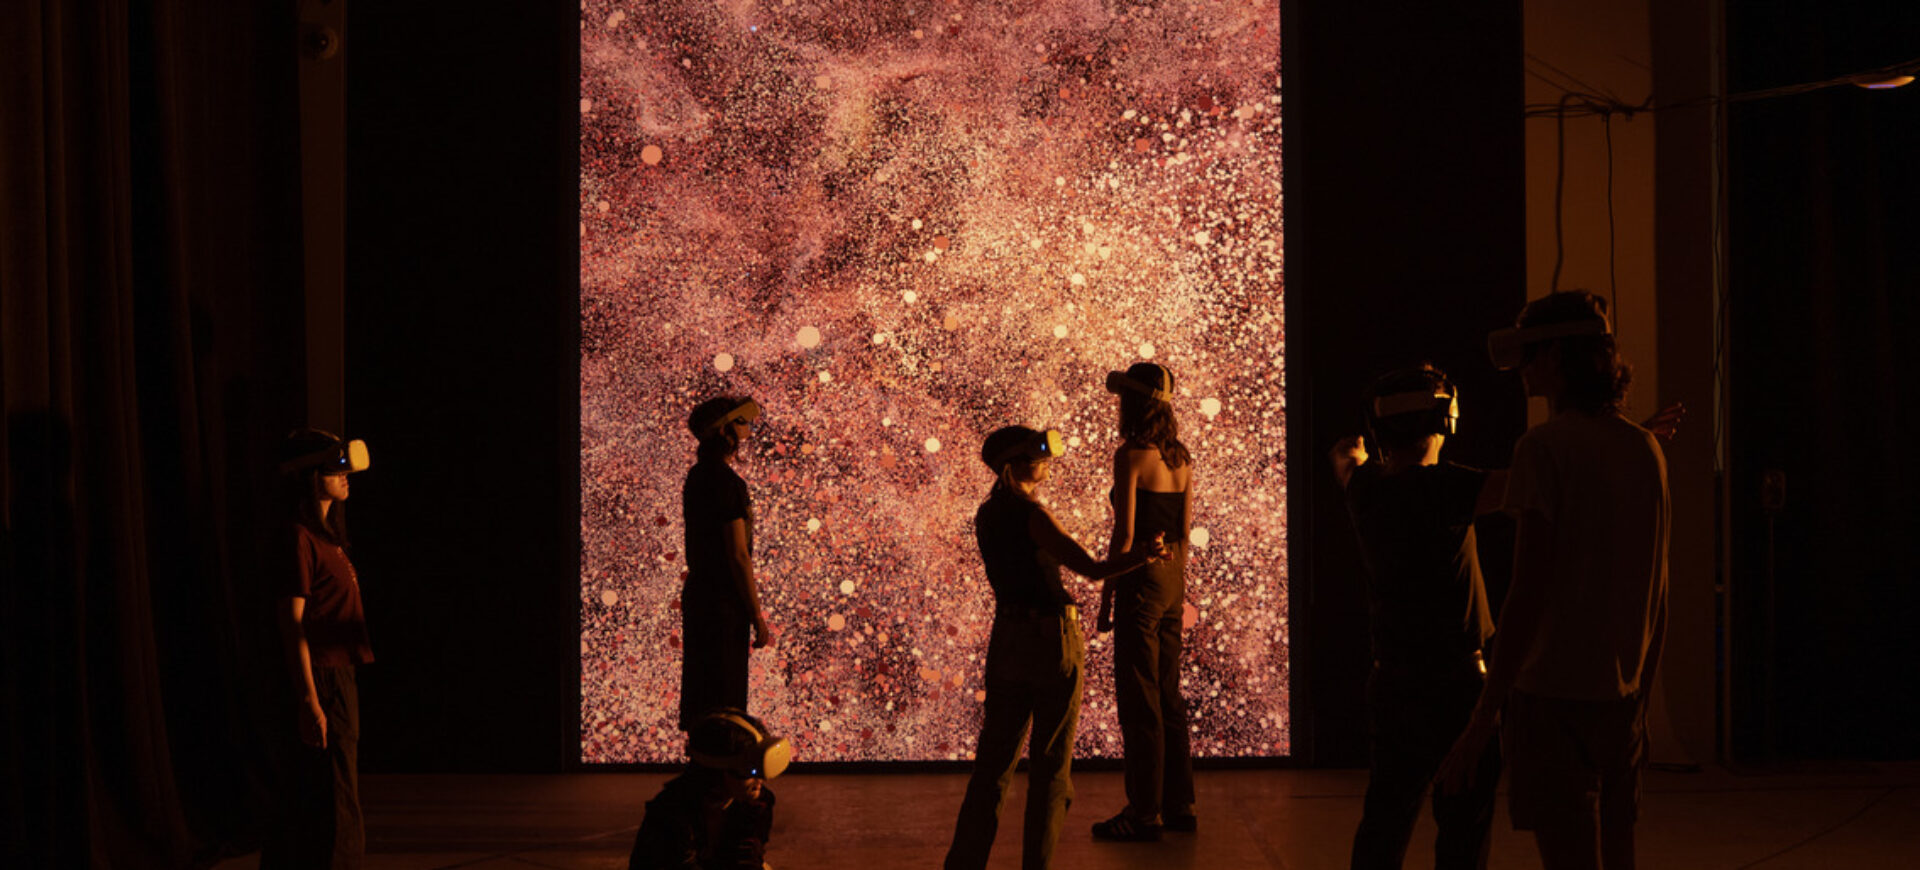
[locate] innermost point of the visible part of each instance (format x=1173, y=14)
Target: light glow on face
x=901, y=226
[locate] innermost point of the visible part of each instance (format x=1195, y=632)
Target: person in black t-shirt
x=1035, y=656
x=1428, y=605
x=720, y=615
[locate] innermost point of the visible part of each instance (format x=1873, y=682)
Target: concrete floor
x=1254, y=819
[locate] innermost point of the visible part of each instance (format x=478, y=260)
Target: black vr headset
x=764, y=757
x=748, y=410
x=1160, y=388
x=341, y=457
x=1040, y=445
x=1428, y=411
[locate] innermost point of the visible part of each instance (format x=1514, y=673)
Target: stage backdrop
x=901, y=225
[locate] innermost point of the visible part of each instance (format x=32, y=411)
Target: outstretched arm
x=1350, y=453
x=1057, y=543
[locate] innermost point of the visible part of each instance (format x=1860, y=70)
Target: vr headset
x=1041, y=445
x=1442, y=408
x=765, y=757
x=748, y=411
x=1119, y=382
x=344, y=457
x=1508, y=347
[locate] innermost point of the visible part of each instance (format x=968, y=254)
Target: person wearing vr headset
x=1152, y=497
x=718, y=813
x=720, y=616
x=1583, y=624
x=1035, y=655
x=324, y=629
x=1427, y=604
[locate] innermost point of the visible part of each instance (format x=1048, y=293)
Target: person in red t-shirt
x=325, y=632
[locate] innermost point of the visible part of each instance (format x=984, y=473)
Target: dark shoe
x=1123, y=828
x=1186, y=824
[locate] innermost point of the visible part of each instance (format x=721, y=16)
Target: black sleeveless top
x=1023, y=576
x=1158, y=513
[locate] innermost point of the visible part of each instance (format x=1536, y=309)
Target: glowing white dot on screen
x=808, y=337
x=933, y=445
x=916, y=223
x=1203, y=238
x=826, y=377
x=1199, y=537
x=1077, y=279
x=1060, y=331
x=1210, y=407
x=609, y=598
x=813, y=524
x=846, y=587
x=836, y=622
x=1146, y=350
x=910, y=297
x=723, y=361
x=886, y=421
x=1073, y=441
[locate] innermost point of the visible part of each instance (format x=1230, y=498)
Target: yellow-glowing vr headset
x=748, y=411
x=1508, y=347
x=1040, y=445
x=765, y=757
x=343, y=457
x=1121, y=382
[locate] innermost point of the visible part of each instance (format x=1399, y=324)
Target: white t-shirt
x=1602, y=481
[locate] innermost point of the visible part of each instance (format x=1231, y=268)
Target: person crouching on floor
x=719, y=813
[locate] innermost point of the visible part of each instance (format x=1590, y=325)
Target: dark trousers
x=1146, y=686
x=320, y=826
x=1035, y=665
x=715, y=644
x=1413, y=717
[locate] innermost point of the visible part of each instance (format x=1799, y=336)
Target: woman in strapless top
x=1152, y=498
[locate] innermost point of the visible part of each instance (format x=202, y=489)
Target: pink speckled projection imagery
x=901, y=224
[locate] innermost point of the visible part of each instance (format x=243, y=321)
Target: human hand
x=762, y=633
x=1157, y=548
x=1665, y=423
x=1463, y=760
x=1104, y=622
x=313, y=724
x=1351, y=449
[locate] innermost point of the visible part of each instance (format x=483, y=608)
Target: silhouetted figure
x=720, y=616
x=718, y=814
x=1036, y=654
x=1152, y=496
x=1427, y=604
x=325, y=631
x=1582, y=626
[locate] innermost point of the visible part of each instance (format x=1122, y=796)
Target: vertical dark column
x=1405, y=212
x=462, y=367
x=323, y=160
x=1688, y=179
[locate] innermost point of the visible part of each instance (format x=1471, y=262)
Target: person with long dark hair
x=1152, y=496
x=1584, y=621
x=720, y=616
x=1035, y=654
x=324, y=627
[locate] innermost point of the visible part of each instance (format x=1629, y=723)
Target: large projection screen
x=901, y=224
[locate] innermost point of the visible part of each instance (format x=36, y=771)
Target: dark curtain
x=150, y=343
x=1824, y=292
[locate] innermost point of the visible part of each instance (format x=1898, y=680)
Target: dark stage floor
x=1865, y=818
